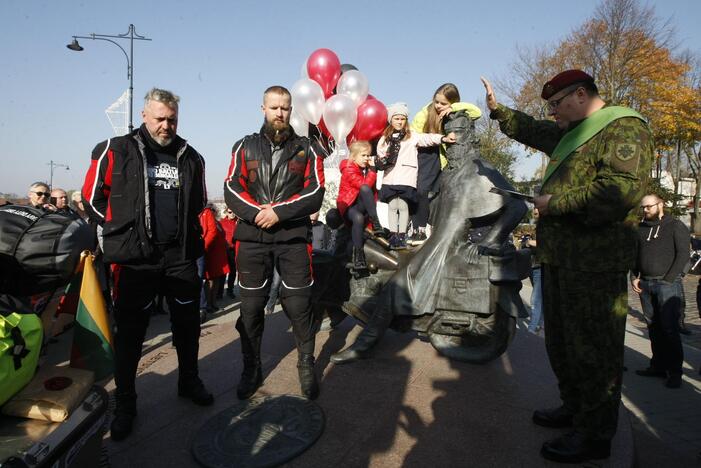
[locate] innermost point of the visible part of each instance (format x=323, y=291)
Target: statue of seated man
x=468, y=221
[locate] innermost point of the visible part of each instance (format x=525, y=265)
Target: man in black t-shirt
x=146, y=190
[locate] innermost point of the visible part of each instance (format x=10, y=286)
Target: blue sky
x=220, y=56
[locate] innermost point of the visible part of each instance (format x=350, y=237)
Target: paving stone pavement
x=435, y=413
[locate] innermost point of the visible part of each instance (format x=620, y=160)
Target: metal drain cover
x=260, y=432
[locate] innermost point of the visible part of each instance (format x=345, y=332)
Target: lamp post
x=51, y=177
x=131, y=35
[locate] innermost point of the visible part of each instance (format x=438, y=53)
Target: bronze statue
x=461, y=286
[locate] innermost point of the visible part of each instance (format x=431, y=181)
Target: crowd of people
x=163, y=238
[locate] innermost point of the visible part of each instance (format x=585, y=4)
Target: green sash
x=584, y=132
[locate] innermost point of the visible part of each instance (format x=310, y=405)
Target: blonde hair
x=358, y=146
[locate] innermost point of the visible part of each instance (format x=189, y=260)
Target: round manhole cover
x=260, y=432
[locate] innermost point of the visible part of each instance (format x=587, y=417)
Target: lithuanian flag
x=93, y=348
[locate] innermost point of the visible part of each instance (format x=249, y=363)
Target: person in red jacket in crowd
x=357, y=198
x=228, y=223
x=216, y=265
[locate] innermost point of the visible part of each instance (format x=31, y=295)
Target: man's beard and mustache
x=162, y=140
x=277, y=131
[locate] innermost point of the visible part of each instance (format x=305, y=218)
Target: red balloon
x=372, y=120
x=324, y=67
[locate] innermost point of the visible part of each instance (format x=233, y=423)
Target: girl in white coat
x=397, y=156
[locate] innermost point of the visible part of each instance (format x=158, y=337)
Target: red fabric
x=563, y=80
x=215, y=261
x=351, y=180
x=229, y=226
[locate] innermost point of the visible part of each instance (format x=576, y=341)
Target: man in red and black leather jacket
x=275, y=181
x=146, y=190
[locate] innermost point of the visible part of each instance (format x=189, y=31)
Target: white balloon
x=300, y=126
x=340, y=116
x=308, y=100
x=354, y=85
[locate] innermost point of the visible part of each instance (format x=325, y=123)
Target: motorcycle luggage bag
x=39, y=250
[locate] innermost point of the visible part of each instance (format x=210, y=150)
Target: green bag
x=21, y=336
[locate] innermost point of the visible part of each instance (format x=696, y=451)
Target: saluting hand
x=491, y=99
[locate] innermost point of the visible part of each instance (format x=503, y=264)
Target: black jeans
x=662, y=302
x=135, y=290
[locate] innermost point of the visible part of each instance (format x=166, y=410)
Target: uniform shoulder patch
x=626, y=151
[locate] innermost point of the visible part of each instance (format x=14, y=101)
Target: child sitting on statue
x=356, y=201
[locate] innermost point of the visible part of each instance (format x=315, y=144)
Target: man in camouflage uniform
x=600, y=161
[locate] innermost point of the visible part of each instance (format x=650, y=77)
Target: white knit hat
x=398, y=108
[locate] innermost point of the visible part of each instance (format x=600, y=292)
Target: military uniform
x=586, y=244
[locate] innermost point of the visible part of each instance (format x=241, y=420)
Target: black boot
x=194, y=389
x=359, y=262
x=252, y=375
x=574, y=447
x=366, y=340
x=307, y=377
x=124, y=415
x=377, y=229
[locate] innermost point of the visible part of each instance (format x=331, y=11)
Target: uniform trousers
x=585, y=316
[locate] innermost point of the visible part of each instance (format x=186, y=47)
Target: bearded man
x=275, y=181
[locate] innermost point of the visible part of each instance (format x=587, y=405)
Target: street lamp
x=55, y=164
x=131, y=35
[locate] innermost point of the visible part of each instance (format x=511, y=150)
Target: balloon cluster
x=336, y=99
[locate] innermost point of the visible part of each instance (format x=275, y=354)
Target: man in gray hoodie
x=663, y=251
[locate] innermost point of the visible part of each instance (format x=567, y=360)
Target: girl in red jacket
x=356, y=200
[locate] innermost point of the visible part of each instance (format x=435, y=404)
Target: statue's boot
x=366, y=340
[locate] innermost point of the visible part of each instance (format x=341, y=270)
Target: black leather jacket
x=115, y=193
x=295, y=188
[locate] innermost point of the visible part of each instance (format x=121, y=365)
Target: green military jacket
x=592, y=220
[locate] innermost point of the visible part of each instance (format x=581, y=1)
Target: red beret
x=563, y=80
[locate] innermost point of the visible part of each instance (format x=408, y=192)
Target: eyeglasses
x=43, y=194
x=648, y=207
x=552, y=105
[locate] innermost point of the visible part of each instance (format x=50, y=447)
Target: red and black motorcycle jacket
x=116, y=195
x=295, y=188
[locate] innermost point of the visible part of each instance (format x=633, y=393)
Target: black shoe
x=121, y=426
x=124, y=415
x=651, y=372
x=673, y=381
x=555, y=417
x=348, y=355
x=197, y=393
x=251, y=380
x=203, y=315
x=575, y=448
x=307, y=377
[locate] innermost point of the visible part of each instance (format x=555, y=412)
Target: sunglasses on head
x=43, y=194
